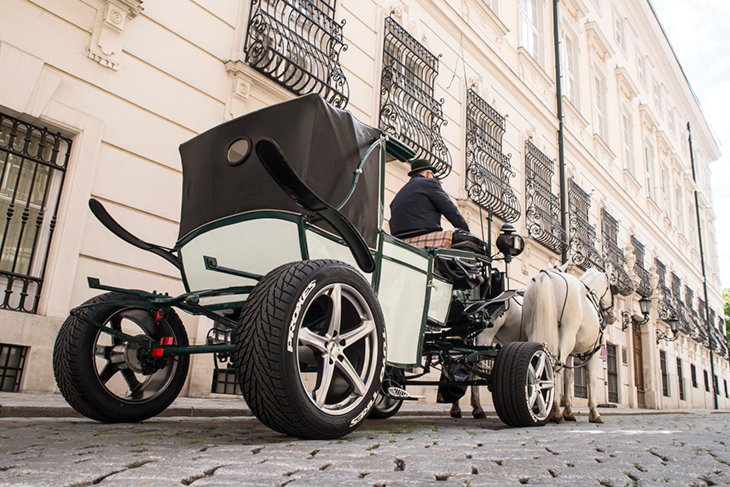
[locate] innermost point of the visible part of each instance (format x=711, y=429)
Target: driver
x=415, y=213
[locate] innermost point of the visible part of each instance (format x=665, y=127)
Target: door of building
x=638, y=366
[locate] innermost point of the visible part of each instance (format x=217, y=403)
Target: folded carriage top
x=323, y=144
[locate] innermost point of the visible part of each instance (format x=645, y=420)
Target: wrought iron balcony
x=613, y=255
x=488, y=170
x=543, y=206
x=582, y=234
x=408, y=109
x=297, y=43
x=643, y=288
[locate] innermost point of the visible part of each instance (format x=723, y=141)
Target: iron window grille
x=680, y=377
x=644, y=286
x=582, y=233
x=297, y=44
x=33, y=165
x=666, y=310
x=700, y=334
x=707, y=380
x=726, y=395
x=542, y=205
x=225, y=381
x=693, y=373
x=580, y=387
x=665, y=379
x=714, y=383
x=689, y=313
x=685, y=324
x=613, y=255
x=612, y=369
x=12, y=361
x=408, y=109
x=488, y=170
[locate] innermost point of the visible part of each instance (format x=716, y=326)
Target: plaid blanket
x=433, y=239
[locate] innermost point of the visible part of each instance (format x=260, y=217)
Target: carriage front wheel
x=523, y=384
x=310, y=349
x=102, y=377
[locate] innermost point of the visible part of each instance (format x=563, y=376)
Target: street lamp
x=673, y=325
x=626, y=317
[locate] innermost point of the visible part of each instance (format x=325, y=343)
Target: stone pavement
x=668, y=449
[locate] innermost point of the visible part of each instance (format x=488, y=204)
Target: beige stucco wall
x=179, y=71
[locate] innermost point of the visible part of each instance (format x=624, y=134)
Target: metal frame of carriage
x=420, y=318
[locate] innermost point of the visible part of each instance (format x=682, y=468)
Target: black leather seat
x=463, y=240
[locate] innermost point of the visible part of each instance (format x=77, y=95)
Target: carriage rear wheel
x=523, y=384
x=102, y=377
x=310, y=349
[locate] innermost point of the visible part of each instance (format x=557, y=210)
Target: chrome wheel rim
x=116, y=365
x=540, y=387
x=337, y=349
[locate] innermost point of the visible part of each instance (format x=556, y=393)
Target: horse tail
x=540, y=314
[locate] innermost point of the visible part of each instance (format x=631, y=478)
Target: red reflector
x=166, y=341
x=157, y=352
x=158, y=316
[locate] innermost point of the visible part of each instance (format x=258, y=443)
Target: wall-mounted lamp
x=627, y=318
x=673, y=325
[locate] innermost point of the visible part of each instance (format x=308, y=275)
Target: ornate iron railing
x=643, y=288
x=688, y=312
x=613, y=255
x=408, y=109
x=582, y=234
x=488, y=170
x=32, y=170
x=667, y=305
x=542, y=212
x=700, y=333
x=297, y=43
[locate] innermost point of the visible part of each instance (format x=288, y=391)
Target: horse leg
x=593, y=415
x=565, y=348
x=569, y=378
x=556, y=416
x=476, y=404
x=455, y=410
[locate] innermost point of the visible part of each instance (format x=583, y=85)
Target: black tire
x=513, y=384
x=92, y=389
x=271, y=358
x=385, y=407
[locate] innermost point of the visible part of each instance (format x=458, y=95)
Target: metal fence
x=408, y=109
x=297, y=43
x=613, y=255
x=582, y=233
x=644, y=287
x=12, y=361
x=33, y=164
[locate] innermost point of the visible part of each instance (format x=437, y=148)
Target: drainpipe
x=704, y=272
x=561, y=130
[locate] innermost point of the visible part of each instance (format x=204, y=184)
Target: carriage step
x=398, y=393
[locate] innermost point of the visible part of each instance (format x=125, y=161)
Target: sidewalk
x=29, y=405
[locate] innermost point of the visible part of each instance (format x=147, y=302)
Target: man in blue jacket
x=417, y=208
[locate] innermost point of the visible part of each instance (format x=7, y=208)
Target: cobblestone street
x=679, y=449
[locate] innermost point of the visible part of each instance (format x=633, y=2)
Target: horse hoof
x=557, y=418
x=569, y=417
x=456, y=415
x=597, y=419
x=481, y=415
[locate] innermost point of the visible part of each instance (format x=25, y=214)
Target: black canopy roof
x=323, y=144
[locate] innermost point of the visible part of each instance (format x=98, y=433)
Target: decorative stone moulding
x=107, y=39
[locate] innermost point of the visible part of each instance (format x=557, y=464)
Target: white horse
x=506, y=329
x=565, y=313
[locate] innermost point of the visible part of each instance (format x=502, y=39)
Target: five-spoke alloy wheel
x=523, y=384
x=310, y=349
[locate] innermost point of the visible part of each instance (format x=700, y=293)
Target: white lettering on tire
x=295, y=316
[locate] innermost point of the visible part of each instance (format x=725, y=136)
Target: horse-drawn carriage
x=326, y=317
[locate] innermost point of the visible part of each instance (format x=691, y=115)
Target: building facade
x=97, y=95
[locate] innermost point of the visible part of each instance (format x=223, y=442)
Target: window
x=618, y=27
x=672, y=120
x=658, y=98
x=33, y=165
x=679, y=204
x=649, y=166
x=493, y=5
x=612, y=366
x=598, y=6
x=599, y=106
x=644, y=288
x=641, y=66
x=714, y=383
x=408, y=109
x=665, y=193
x=665, y=379
x=297, y=44
x=488, y=170
x=224, y=381
x=570, y=68
x=580, y=389
x=693, y=371
x=692, y=224
x=707, y=381
x=542, y=212
x=725, y=382
x=614, y=254
x=12, y=361
x=627, y=140
x=531, y=28
x=680, y=378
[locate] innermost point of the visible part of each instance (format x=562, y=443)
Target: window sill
x=631, y=179
x=601, y=144
x=527, y=62
x=574, y=114
x=490, y=16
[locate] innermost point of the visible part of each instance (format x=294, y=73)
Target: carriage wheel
x=101, y=377
x=523, y=384
x=310, y=349
x=385, y=407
